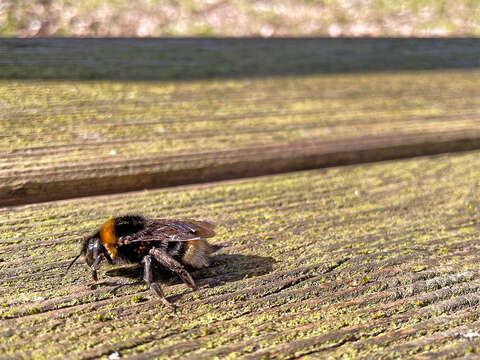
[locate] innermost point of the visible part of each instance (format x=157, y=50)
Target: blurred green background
x=239, y=18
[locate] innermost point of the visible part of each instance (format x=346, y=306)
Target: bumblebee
x=163, y=244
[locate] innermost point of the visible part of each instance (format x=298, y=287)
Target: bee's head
x=91, y=247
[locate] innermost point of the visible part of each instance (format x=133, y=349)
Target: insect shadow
x=223, y=268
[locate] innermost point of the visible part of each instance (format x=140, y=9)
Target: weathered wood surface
x=200, y=58
x=64, y=139
x=375, y=260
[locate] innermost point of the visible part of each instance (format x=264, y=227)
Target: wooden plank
x=371, y=259
x=124, y=176
x=206, y=58
x=63, y=139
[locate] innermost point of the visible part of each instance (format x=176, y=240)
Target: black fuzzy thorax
x=141, y=226
x=130, y=224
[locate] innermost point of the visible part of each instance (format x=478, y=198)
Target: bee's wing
x=201, y=229
x=174, y=230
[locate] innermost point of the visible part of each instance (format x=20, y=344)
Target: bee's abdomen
x=196, y=253
x=176, y=249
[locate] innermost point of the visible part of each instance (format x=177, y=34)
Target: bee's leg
x=96, y=266
x=170, y=263
x=148, y=277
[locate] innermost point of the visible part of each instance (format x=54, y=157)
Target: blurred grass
x=240, y=18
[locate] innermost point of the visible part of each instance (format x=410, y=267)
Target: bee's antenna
x=69, y=266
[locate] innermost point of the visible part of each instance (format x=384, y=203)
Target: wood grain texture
x=360, y=261
x=207, y=58
x=64, y=139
